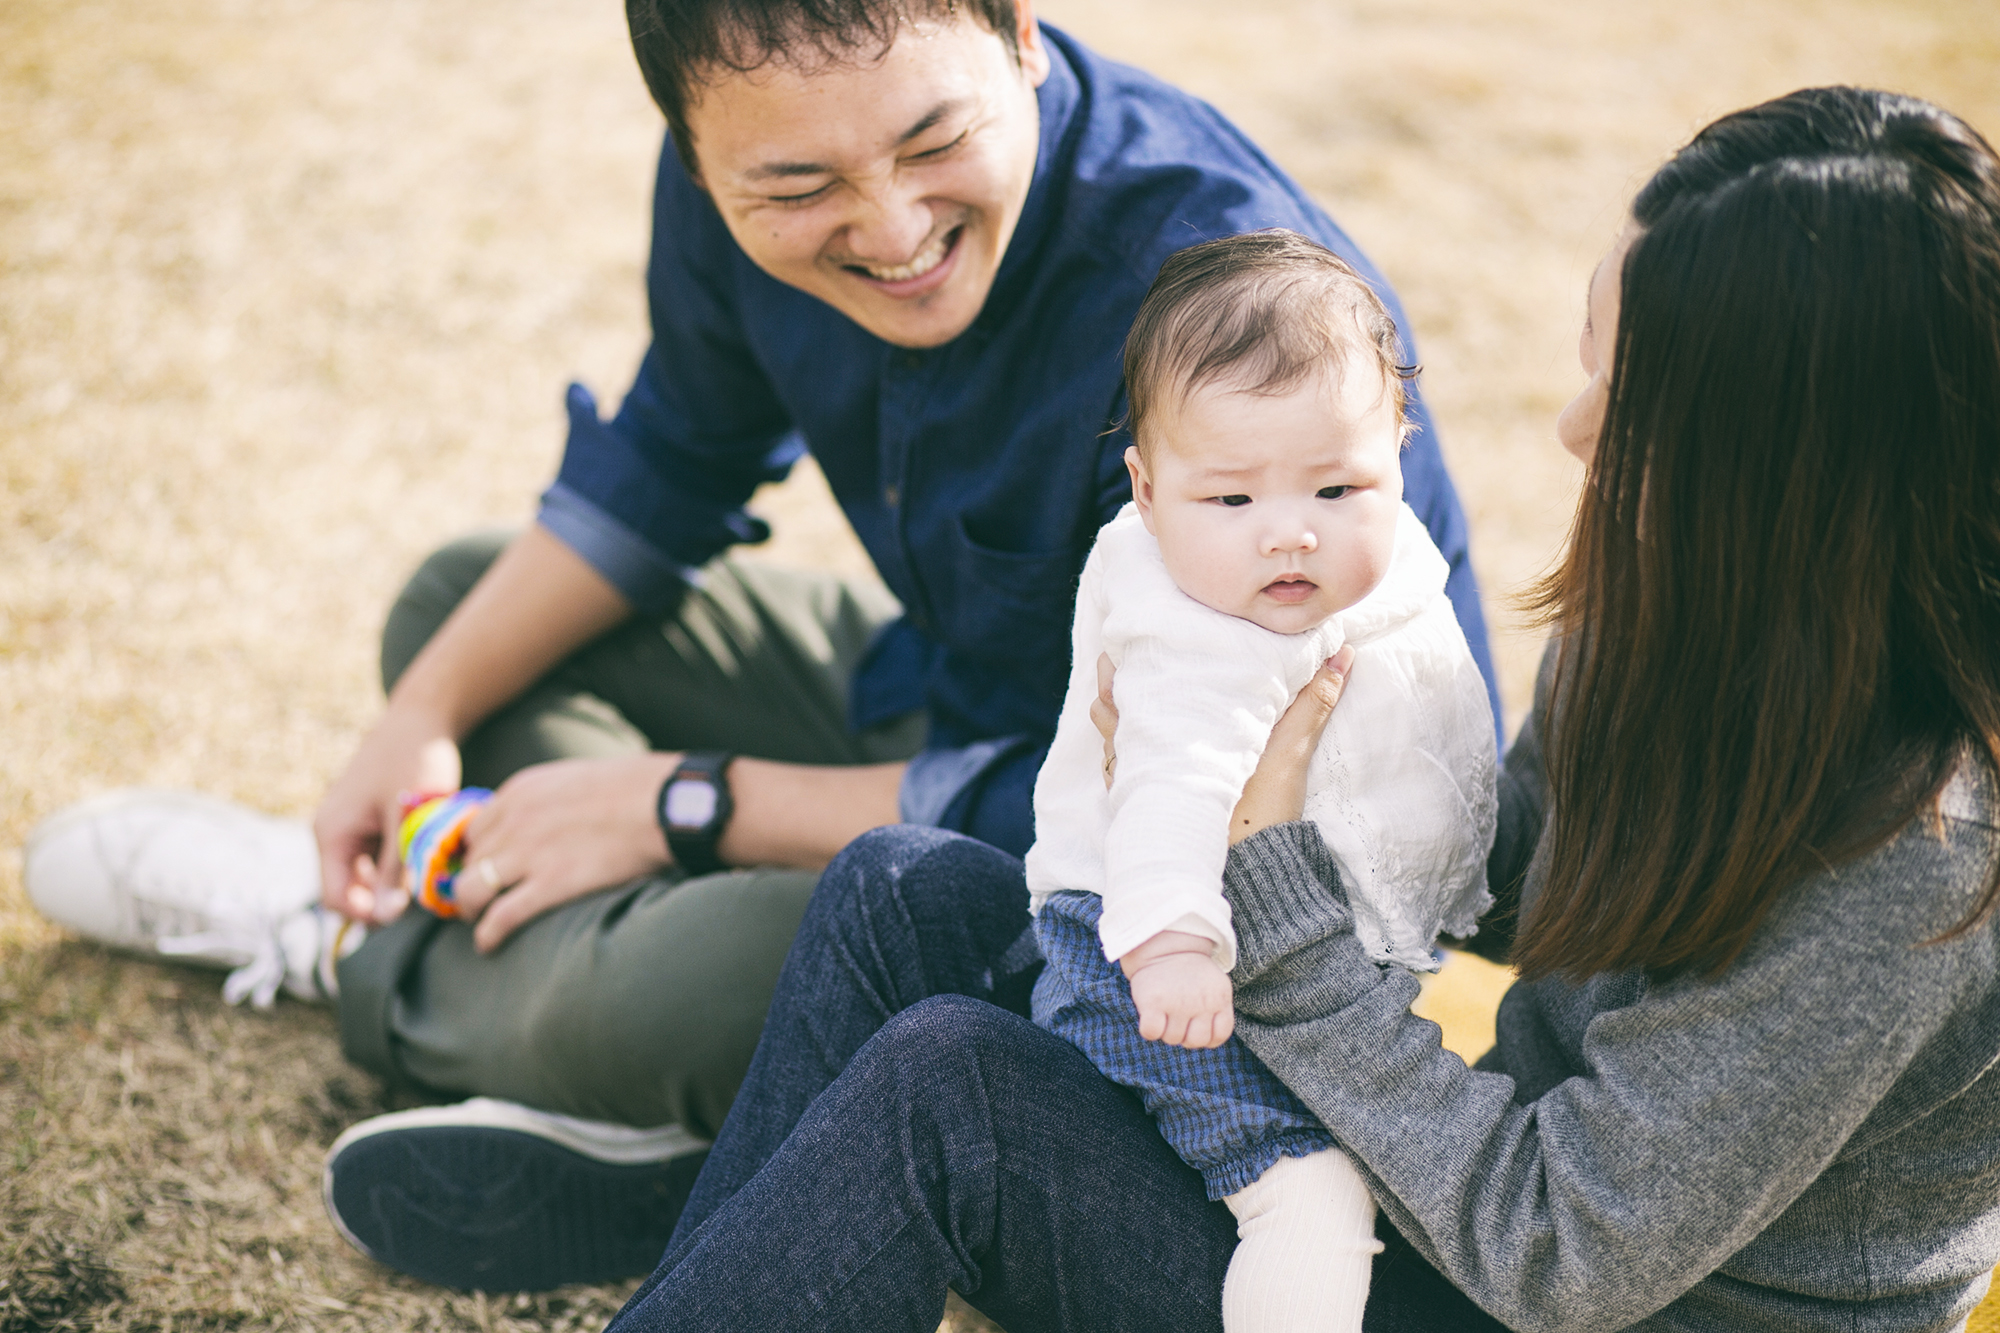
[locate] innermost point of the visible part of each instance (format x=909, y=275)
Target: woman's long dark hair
x=1783, y=586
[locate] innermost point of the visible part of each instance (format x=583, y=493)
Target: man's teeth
x=927, y=259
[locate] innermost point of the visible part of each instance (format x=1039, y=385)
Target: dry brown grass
x=288, y=293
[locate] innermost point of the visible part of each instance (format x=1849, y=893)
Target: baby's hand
x=1183, y=997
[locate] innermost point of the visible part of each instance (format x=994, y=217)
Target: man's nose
x=890, y=223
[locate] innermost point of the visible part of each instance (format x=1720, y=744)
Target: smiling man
x=909, y=238
x=888, y=189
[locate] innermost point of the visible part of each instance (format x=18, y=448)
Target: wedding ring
x=487, y=874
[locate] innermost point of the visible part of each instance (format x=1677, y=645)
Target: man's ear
x=1033, y=56
x=1142, y=485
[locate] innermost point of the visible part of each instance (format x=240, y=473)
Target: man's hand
x=360, y=873
x=557, y=831
x=537, y=603
x=1183, y=997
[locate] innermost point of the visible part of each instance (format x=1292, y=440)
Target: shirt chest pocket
x=1005, y=606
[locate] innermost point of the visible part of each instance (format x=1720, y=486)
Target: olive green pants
x=641, y=1003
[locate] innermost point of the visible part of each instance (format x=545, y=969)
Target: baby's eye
x=1333, y=492
x=1232, y=500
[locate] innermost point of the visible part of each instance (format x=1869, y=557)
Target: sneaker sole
x=493, y=1197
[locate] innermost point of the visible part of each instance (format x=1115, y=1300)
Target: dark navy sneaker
x=493, y=1196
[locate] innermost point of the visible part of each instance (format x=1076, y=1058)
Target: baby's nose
x=1286, y=539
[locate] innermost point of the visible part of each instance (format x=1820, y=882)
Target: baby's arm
x=1197, y=693
x=1182, y=995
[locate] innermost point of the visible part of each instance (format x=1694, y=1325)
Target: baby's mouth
x=924, y=261
x=1290, y=588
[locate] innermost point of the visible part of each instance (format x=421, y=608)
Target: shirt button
x=911, y=361
x=892, y=496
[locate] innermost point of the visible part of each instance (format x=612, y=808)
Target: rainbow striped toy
x=432, y=843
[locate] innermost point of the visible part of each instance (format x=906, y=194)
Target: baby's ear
x=1142, y=484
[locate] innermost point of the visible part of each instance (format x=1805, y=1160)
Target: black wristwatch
x=693, y=809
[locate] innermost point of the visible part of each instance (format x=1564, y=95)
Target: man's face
x=886, y=187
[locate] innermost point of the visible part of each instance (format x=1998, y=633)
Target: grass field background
x=288, y=295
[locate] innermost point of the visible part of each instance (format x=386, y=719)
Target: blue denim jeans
x=904, y=1128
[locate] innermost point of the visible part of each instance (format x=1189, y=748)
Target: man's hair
x=683, y=43
x=1264, y=310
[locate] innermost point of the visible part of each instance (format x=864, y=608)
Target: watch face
x=690, y=804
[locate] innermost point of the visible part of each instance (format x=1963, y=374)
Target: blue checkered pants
x=1226, y=1114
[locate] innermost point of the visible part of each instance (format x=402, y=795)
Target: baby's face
x=1281, y=508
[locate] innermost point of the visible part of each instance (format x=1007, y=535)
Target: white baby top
x=1402, y=785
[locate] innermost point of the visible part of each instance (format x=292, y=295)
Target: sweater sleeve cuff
x=1284, y=891
x=648, y=579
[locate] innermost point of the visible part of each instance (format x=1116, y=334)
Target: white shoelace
x=258, y=979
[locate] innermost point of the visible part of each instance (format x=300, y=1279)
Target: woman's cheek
x=1582, y=421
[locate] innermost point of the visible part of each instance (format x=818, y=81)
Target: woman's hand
x=1104, y=716
x=1276, y=792
x=555, y=832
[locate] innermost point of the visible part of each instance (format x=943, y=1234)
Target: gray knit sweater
x=1809, y=1141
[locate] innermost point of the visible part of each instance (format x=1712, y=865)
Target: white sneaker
x=196, y=879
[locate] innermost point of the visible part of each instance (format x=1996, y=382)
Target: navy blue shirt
x=976, y=473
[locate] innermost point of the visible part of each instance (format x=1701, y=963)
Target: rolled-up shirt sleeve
x=627, y=561
x=984, y=790
x=936, y=778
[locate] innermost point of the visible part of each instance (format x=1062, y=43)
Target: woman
x=1748, y=1078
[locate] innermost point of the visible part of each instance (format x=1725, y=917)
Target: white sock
x=1306, y=1238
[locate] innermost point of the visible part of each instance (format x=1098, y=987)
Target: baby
x=1267, y=529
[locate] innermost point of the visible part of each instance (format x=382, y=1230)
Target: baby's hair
x=1265, y=309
